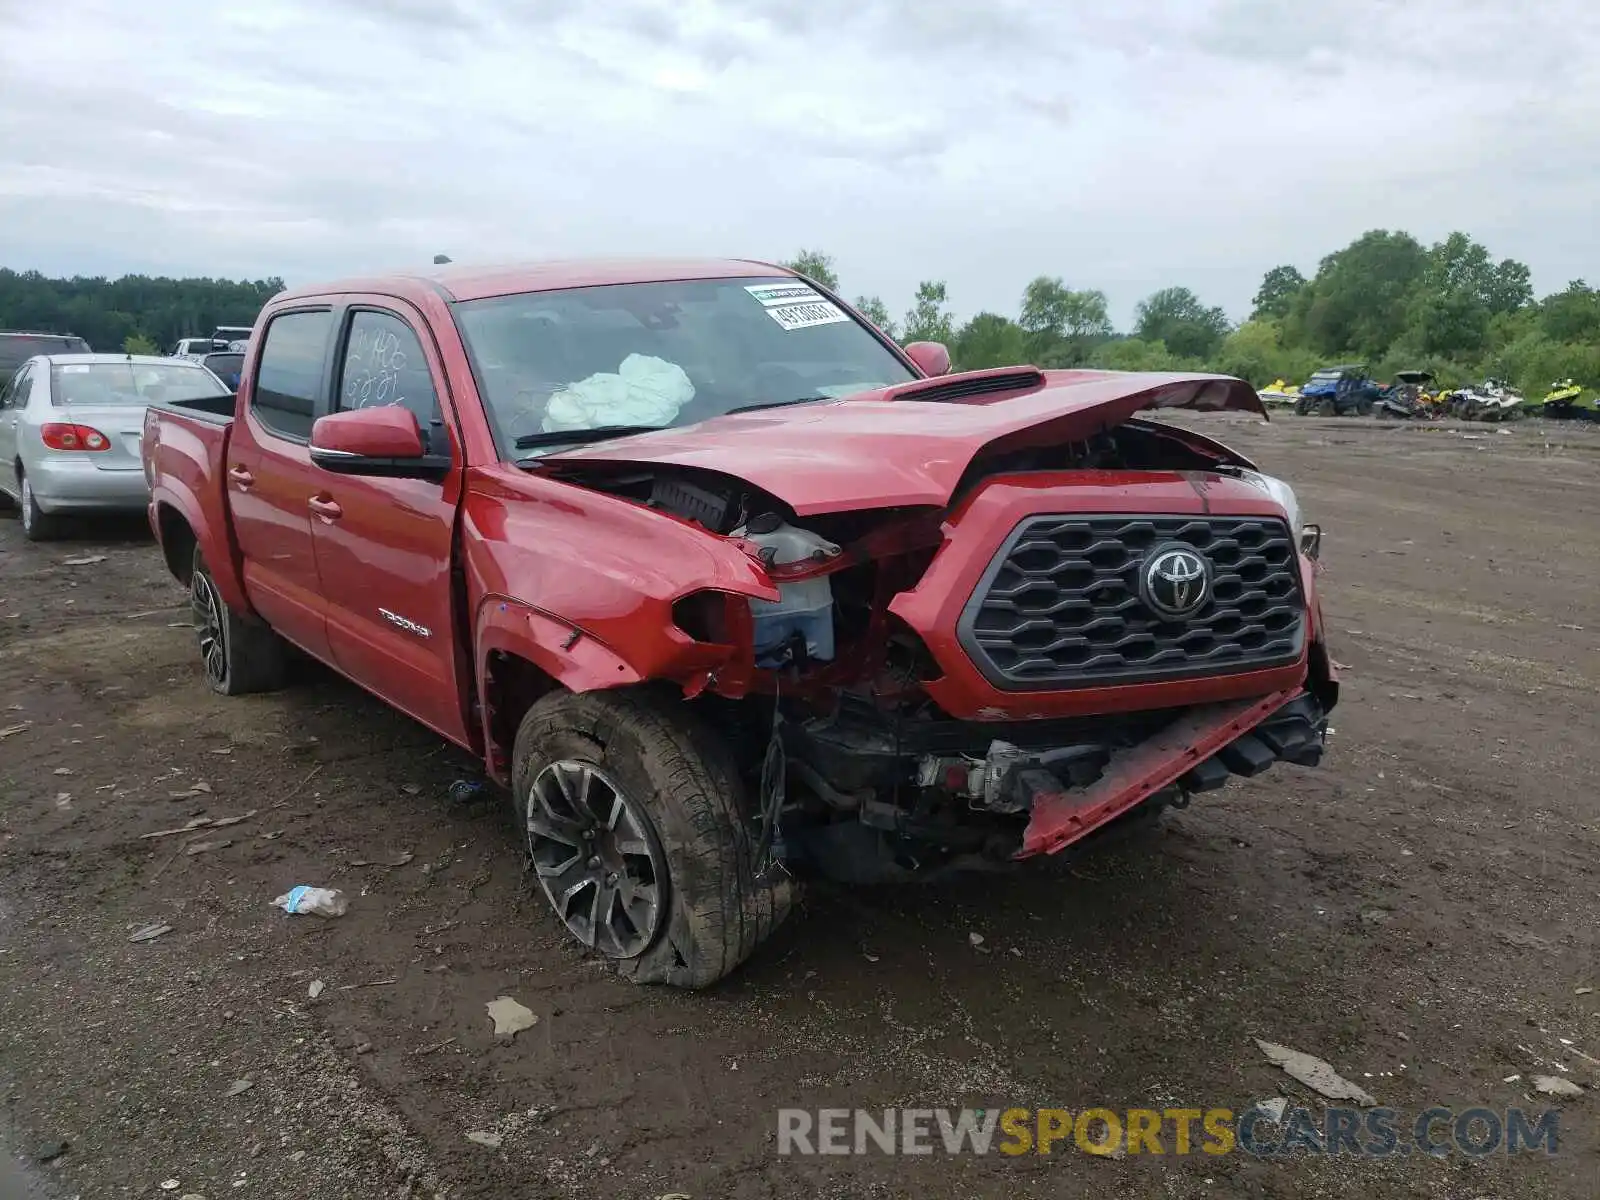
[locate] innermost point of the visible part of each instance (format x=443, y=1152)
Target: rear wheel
x=239, y=654
x=37, y=525
x=633, y=819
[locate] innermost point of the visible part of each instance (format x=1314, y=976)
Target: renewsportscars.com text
x=1366, y=1133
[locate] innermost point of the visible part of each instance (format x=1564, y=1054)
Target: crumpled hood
x=910, y=445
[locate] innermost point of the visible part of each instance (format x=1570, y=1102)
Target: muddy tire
x=239, y=654
x=635, y=822
x=37, y=525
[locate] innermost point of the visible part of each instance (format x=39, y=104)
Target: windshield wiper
x=579, y=437
x=776, y=404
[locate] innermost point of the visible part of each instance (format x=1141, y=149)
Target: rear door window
x=15, y=393
x=384, y=365
x=289, y=375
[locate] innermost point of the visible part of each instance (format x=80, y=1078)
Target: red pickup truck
x=727, y=588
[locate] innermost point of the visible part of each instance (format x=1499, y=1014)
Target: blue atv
x=1338, y=392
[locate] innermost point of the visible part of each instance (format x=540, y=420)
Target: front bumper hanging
x=1196, y=753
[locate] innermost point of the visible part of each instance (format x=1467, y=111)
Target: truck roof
x=464, y=282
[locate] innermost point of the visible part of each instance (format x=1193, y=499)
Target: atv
x=1406, y=398
x=1337, y=392
x=1492, y=400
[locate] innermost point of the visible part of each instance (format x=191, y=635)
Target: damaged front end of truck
x=994, y=614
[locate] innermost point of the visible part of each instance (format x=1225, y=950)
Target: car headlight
x=1279, y=491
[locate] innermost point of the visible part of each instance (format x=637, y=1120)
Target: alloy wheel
x=207, y=608
x=596, y=859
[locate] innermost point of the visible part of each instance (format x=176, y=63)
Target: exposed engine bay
x=854, y=767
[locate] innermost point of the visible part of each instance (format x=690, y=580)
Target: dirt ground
x=1422, y=911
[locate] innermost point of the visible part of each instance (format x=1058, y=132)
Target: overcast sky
x=1122, y=146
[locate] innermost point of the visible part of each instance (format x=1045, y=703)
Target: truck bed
x=216, y=409
x=185, y=451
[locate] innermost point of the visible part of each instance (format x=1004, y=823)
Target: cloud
x=1125, y=147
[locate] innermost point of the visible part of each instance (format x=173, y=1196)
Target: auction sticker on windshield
x=771, y=294
x=803, y=316
x=795, y=306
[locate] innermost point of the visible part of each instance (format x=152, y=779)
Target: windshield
x=651, y=355
x=125, y=383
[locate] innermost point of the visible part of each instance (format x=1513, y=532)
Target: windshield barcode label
x=803, y=316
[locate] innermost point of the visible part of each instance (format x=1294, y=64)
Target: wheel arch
x=178, y=541
x=523, y=655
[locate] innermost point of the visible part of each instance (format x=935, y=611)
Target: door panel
x=15, y=397
x=384, y=546
x=270, y=479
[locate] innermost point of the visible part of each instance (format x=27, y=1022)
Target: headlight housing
x=1279, y=491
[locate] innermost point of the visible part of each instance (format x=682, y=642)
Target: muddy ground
x=1421, y=912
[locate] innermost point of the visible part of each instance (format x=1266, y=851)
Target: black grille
x=1059, y=607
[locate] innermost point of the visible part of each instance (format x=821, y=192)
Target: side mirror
x=383, y=441
x=931, y=358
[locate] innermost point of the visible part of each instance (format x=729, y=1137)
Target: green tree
x=989, y=340
x=876, y=311
x=1175, y=317
x=105, y=312
x=1279, y=287
x=928, y=319
x=1255, y=352
x=815, y=266
x=1461, y=266
x=137, y=343
x=1361, y=296
x=1572, y=315
x=1133, y=354
x=1061, y=324
x=1452, y=323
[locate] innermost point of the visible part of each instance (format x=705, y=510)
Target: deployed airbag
x=643, y=391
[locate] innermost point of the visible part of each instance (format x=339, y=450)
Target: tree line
x=1385, y=300
x=140, y=314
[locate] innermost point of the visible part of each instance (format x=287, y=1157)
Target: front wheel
x=633, y=819
x=240, y=655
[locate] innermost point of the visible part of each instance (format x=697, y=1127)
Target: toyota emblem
x=1175, y=581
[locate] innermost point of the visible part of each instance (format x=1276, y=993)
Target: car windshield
x=129, y=383
x=651, y=355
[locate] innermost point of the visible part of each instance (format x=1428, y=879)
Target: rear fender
x=183, y=458
x=180, y=521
